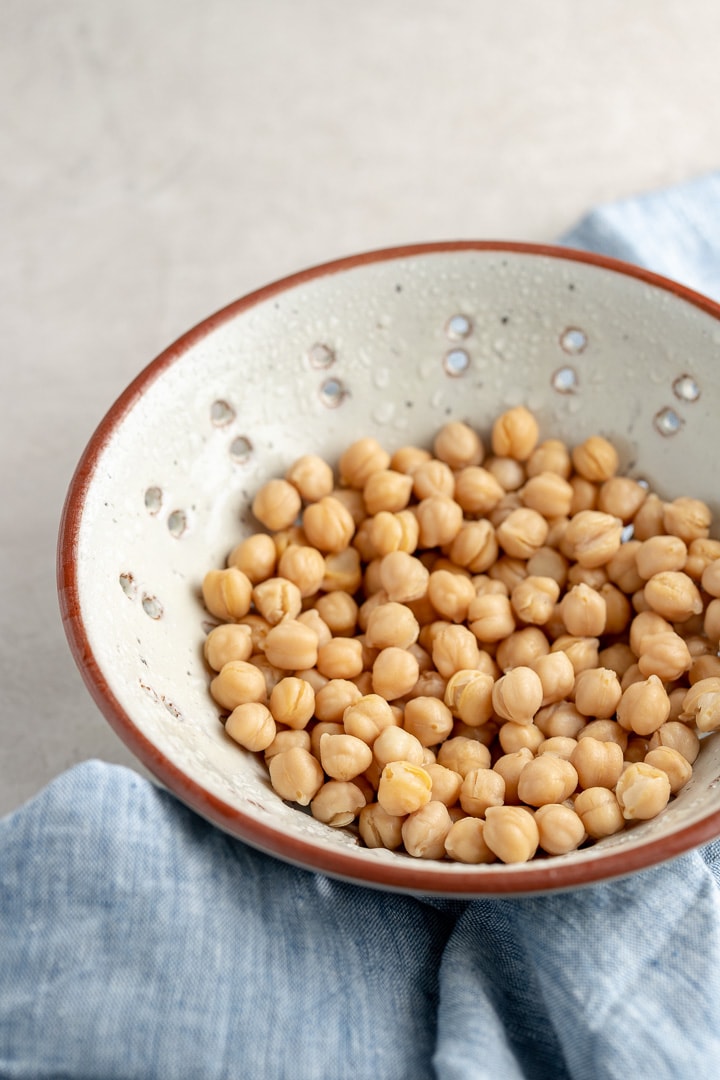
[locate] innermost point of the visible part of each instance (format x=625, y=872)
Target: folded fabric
x=137, y=942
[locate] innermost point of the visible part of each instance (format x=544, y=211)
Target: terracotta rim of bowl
x=495, y=879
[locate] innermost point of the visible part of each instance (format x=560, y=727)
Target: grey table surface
x=159, y=159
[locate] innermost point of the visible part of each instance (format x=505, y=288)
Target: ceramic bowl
x=391, y=343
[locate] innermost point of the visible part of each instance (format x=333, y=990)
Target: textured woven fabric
x=137, y=942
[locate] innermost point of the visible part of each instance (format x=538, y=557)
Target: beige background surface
x=159, y=159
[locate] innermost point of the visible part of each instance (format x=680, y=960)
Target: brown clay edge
x=497, y=882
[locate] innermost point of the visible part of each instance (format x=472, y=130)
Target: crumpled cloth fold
x=138, y=942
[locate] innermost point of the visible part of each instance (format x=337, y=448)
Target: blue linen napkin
x=138, y=942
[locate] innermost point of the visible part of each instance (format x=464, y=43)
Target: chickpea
x=277, y=504
x=585, y=495
x=231, y=641
x=343, y=757
x=599, y=811
x=337, y=803
x=711, y=622
x=286, y=740
x=510, y=572
x=481, y=788
x=645, y=626
x=407, y=459
x=622, y=497
x=703, y=667
x=548, y=562
x=362, y=458
x=598, y=764
x=292, y=702
x=391, y=624
x=424, y=831
x=440, y=519
x=468, y=694
x=515, y=434
x=502, y=510
x=618, y=657
x=255, y=556
x=312, y=476
x=549, y=494
x=622, y=568
x=476, y=490
x=319, y=627
x=561, y=719
x=277, y=599
x=592, y=538
x=511, y=833
x=512, y=737
x=403, y=577
x=291, y=645
x=595, y=459
x=676, y=767
x=339, y=611
x=379, y=829
x=462, y=755
x=446, y=783
x=428, y=719
x=251, y=725
x=674, y=595
x=510, y=766
x=367, y=717
x=666, y=655
x=642, y=791
x=454, y=647
x=560, y=828
x=343, y=572
x=510, y=474
x=701, y=704
x=394, y=673
x=518, y=695
x=597, y=692
x=332, y=699
x=644, y=706
x=547, y=779
x=393, y=532
x=533, y=599
x=475, y=547
x=296, y=775
x=521, y=648
x=605, y=731
x=556, y=674
x=522, y=532
x=328, y=524
x=679, y=737
x=340, y=658
x=661, y=553
x=457, y=444
x=618, y=611
x=552, y=455
x=701, y=552
x=581, y=651
x=560, y=745
x=464, y=842
x=396, y=744
x=583, y=611
x=491, y=617
x=227, y=593
x=387, y=490
x=403, y=788
x=450, y=593
x=236, y=683
x=687, y=518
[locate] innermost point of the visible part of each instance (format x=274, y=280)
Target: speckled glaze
x=372, y=344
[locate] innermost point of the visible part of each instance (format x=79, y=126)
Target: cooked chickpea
x=319, y=627
x=622, y=497
x=521, y=648
x=231, y=641
x=644, y=706
x=511, y=833
x=337, y=803
x=617, y=656
x=491, y=617
x=332, y=699
x=512, y=737
x=560, y=828
x=510, y=766
x=517, y=695
x=462, y=755
x=424, y=831
x=522, y=532
x=403, y=577
x=599, y=811
x=404, y=788
x=457, y=444
x=560, y=745
x=598, y=764
x=556, y=674
x=679, y=737
x=255, y=556
x=548, y=562
x=676, y=767
x=360, y=460
x=291, y=645
x=642, y=791
x=701, y=704
x=711, y=622
x=387, y=490
x=312, y=476
x=227, y=593
x=277, y=504
x=464, y=842
x=665, y=654
x=509, y=571
x=378, y=829
x=446, y=783
x=533, y=599
x=509, y=502
x=340, y=658
x=595, y=459
x=367, y=717
x=394, y=673
x=597, y=692
x=343, y=757
x=547, y=779
x=328, y=524
x=292, y=702
x=236, y=683
x=687, y=518
x=592, y=538
x=277, y=599
x=552, y=455
x=468, y=694
x=296, y=775
x=660, y=553
x=439, y=518
x=583, y=611
x=674, y=595
x=622, y=568
x=251, y=725
x=474, y=547
x=454, y=647
x=480, y=789
x=701, y=552
x=510, y=474
x=428, y=719
x=585, y=495
x=618, y=610
x=396, y=744
x=549, y=494
x=605, y=731
x=561, y=718
x=515, y=434
x=476, y=490
x=286, y=740
x=648, y=520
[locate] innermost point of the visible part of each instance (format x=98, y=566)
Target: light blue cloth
x=137, y=942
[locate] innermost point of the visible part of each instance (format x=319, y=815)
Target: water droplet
x=128, y=586
x=667, y=422
x=383, y=412
x=458, y=327
x=686, y=388
x=152, y=606
x=573, y=340
x=456, y=362
x=627, y=533
x=177, y=523
x=153, y=500
x=221, y=413
x=565, y=380
x=240, y=449
x=332, y=393
x=321, y=356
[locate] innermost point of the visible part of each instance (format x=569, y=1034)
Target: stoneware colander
x=390, y=343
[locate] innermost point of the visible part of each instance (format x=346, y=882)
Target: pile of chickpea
x=467, y=653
